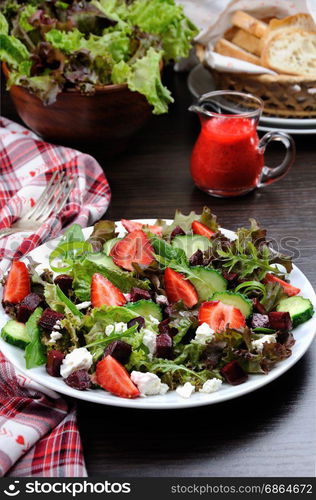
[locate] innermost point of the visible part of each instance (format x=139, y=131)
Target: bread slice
x=291, y=51
x=301, y=21
x=246, y=41
x=229, y=49
x=248, y=23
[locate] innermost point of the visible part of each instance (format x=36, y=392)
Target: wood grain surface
x=270, y=432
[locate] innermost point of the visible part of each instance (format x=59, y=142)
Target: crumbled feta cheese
x=54, y=336
x=186, y=390
x=78, y=359
x=211, y=385
x=109, y=329
x=148, y=383
x=150, y=341
x=203, y=334
x=164, y=388
x=118, y=327
x=83, y=305
x=258, y=344
x=57, y=325
x=153, y=320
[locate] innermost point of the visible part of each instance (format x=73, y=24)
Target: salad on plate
x=155, y=308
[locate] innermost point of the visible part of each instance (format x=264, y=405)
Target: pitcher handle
x=273, y=174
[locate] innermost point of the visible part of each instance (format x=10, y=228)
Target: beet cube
x=79, y=380
x=233, y=373
x=119, y=350
x=280, y=320
x=136, y=321
x=164, y=348
x=64, y=282
x=139, y=294
x=54, y=361
x=49, y=319
x=229, y=276
x=260, y=320
x=27, y=306
x=178, y=231
x=164, y=327
x=258, y=306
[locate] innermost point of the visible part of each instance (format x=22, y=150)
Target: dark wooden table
x=270, y=432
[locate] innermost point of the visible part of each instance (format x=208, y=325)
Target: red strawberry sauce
x=226, y=155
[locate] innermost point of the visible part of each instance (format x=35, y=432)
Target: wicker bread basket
x=283, y=95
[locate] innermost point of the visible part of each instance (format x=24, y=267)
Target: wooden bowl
x=109, y=117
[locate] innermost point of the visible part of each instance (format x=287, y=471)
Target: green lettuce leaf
x=145, y=78
x=67, y=41
x=4, y=26
x=113, y=9
x=12, y=51
x=115, y=43
x=164, y=18
x=24, y=17
x=35, y=351
x=58, y=301
x=82, y=273
x=45, y=87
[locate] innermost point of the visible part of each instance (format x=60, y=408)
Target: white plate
x=291, y=131
x=304, y=335
x=200, y=81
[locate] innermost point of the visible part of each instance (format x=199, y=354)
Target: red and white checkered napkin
x=26, y=165
x=38, y=429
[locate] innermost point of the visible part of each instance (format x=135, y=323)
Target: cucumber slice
x=207, y=282
x=191, y=243
x=103, y=260
x=300, y=309
x=235, y=299
x=108, y=245
x=145, y=308
x=15, y=333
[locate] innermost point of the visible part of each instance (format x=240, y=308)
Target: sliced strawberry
x=134, y=248
x=18, y=283
x=113, y=377
x=103, y=292
x=290, y=290
x=219, y=315
x=178, y=288
x=131, y=225
x=202, y=229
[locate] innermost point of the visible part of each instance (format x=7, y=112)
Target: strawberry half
x=202, y=229
x=290, y=290
x=219, y=315
x=18, y=283
x=134, y=248
x=103, y=292
x=131, y=225
x=113, y=377
x=178, y=288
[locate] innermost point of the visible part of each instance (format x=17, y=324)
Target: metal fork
x=53, y=198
